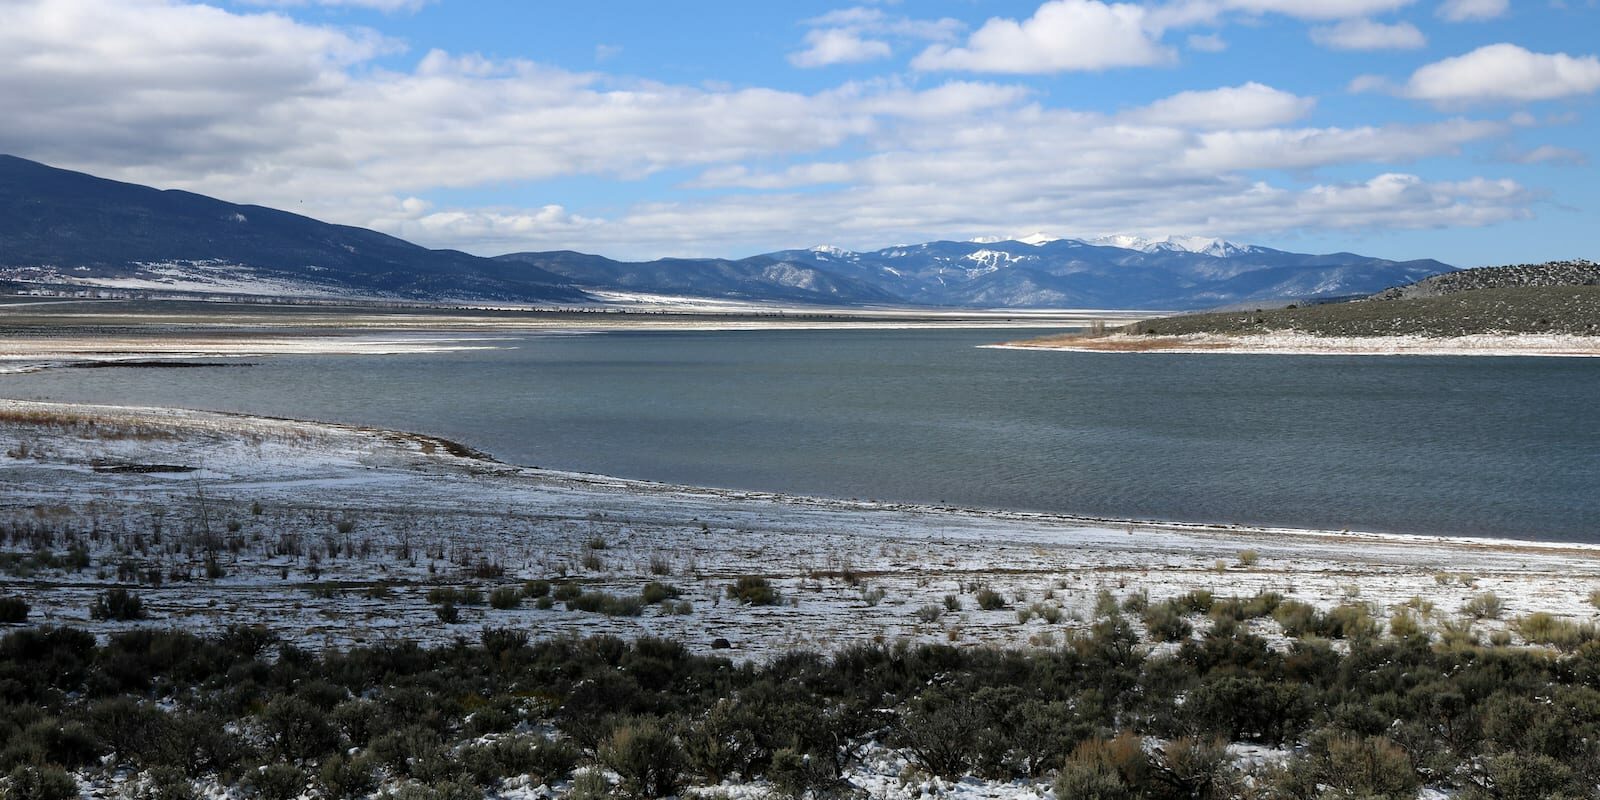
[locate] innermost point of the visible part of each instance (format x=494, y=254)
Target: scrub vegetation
x=163, y=713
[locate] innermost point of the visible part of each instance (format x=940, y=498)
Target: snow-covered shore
x=308, y=520
x=1297, y=343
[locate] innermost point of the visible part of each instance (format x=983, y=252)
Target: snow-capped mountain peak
x=1202, y=245
x=830, y=250
x=1034, y=239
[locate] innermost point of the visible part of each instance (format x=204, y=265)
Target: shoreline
x=319, y=505
x=1295, y=343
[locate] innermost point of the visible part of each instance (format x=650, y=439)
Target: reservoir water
x=1433, y=445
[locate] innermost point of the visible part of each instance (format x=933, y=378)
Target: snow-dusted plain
x=306, y=519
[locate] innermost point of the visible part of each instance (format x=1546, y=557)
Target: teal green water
x=1434, y=445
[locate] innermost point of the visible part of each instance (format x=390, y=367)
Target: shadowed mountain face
x=78, y=228
x=60, y=227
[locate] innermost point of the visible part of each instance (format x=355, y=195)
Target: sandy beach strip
x=1296, y=343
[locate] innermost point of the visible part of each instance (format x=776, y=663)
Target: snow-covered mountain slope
x=78, y=232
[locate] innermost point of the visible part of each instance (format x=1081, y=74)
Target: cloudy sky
x=1458, y=129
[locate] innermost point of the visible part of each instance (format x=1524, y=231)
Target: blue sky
x=1455, y=129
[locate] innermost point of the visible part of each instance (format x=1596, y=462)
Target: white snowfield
x=1296, y=343
x=306, y=518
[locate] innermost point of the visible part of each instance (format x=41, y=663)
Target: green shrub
x=1542, y=628
x=1297, y=618
x=722, y=743
x=1165, y=623
x=343, y=777
x=754, y=590
x=1350, y=766
x=1198, y=601
x=13, y=610
x=796, y=775
x=952, y=603
x=447, y=613
x=656, y=591
x=544, y=760
x=117, y=604
x=276, y=782
x=505, y=597
x=1483, y=606
x=1349, y=621
x=1104, y=769
x=466, y=596
x=607, y=604
x=1405, y=625
x=646, y=757
x=989, y=599
x=590, y=784
x=567, y=590
x=297, y=729
x=27, y=782
x=1240, y=609
x=535, y=589
x=929, y=613
x=1518, y=776
x=166, y=783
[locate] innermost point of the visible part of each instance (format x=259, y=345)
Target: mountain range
x=72, y=231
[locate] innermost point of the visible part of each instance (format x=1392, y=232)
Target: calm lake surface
x=1435, y=445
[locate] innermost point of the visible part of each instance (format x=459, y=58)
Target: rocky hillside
x=1580, y=272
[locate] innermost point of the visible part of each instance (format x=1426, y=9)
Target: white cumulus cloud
x=838, y=46
x=1504, y=72
x=1317, y=9
x=1252, y=105
x=1061, y=36
x=1472, y=10
x=1365, y=34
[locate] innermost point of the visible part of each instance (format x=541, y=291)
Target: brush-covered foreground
x=168, y=715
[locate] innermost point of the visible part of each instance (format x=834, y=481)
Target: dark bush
x=53, y=741
x=796, y=775
x=544, y=760
x=646, y=757
x=167, y=783
x=754, y=590
x=276, y=782
x=342, y=777
x=39, y=783
x=1165, y=623
x=938, y=731
x=13, y=610
x=1348, y=766
x=990, y=600
x=535, y=589
x=1101, y=769
x=656, y=591
x=722, y=743
x=607, y=604
x=297, y=729
x=505, y=597
x=117, y=604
